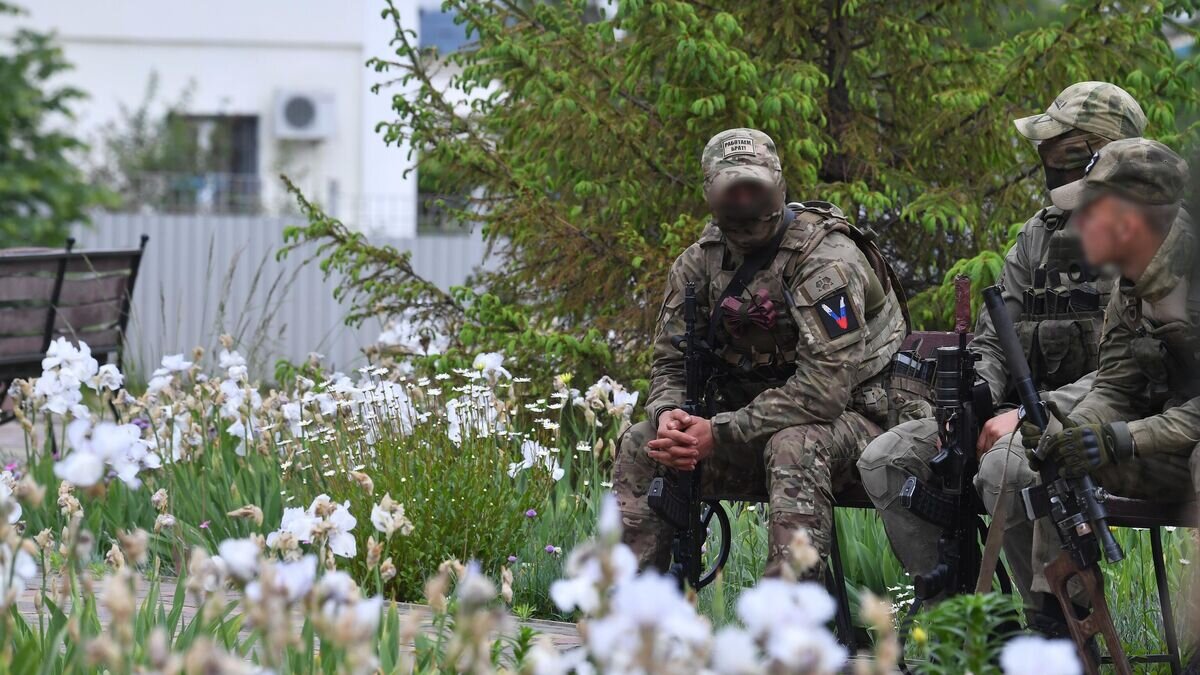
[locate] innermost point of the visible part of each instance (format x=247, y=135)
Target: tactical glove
x=1031, y=435
x=1084, y=448
x=1079, y=449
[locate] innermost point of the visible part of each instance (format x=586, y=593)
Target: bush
x=468, y=506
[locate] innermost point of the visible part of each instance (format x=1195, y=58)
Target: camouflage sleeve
x=829, y=296
x=1017, y=276
x=667, y=371
x=1118, y=391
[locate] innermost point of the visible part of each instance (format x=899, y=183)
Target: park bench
x=50, y=293
x=1122, y=512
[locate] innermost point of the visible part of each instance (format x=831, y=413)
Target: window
x=211, y=166
x=438, y=31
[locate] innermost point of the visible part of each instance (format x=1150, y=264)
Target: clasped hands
x=683, y=440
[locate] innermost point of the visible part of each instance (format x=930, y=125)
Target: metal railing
x=191, y=193
x=184, y=193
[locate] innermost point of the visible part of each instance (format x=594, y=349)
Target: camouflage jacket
x=1061, y=343
x=836, y=327
x=1149, y=371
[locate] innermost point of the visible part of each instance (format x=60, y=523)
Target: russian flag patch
x=837, y=315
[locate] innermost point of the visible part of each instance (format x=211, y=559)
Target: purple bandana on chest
x=758, y=311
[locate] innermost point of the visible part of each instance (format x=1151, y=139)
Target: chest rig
x=753, y=335
x=1063, y=311
x=1167, y=353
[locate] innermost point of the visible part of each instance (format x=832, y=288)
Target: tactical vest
x=755, y=358
x=1168, y=354
x=1063, y=312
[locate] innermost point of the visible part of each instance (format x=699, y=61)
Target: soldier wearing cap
x=801, y=349
x=1136, y=429
x=1056, y=300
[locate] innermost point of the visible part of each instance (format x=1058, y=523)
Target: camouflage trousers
x=796, y=473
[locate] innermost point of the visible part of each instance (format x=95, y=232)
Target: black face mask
x=747, y=211
x=1059, y=177
x=1065, y=158
x=748, y=225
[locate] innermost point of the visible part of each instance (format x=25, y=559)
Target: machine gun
x=1074, y=505
x=962, y=403
x=676, y=497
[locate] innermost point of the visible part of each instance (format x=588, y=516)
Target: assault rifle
x=1074, y=505
x=676, y=497
x=962, y=404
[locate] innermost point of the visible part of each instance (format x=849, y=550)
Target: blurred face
x=743, y=212
x=1106, y=227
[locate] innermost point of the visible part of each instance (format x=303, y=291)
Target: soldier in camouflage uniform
x=1136, y=429
x=800, y=351
x=1056, y=300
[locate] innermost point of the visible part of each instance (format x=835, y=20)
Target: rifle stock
x=1074, y=506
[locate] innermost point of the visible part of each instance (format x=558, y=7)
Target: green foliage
x=460, y=498
x=964, y=634
x=935, y=306
x=42, y=190
x=582, y=139
x=201, y=492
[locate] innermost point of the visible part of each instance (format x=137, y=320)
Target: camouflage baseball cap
x=1138, y=169
x=1098, y=107
x=740, y=154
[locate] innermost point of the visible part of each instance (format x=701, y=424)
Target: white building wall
x=236, y=55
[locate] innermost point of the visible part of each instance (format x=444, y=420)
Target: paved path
x=563, y=635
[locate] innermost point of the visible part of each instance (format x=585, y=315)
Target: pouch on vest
x=1181, y=348
x=1060, y=351
x=871, y=400
x=1150, y=355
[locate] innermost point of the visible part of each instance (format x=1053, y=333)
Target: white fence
x=206, y=275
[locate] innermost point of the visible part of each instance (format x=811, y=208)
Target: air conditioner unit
x=303, y=115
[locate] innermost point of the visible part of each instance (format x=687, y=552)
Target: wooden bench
x=50, y=293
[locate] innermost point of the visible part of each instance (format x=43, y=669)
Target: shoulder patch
x=837, y=314
x=824, y=282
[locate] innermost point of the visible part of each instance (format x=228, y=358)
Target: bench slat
x=1122, y=512
x=76, y=319
x=87, y=290
x=76, y=290
x=100, y=340
x=29, y=346
x=92, y=263
x=37, y=265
